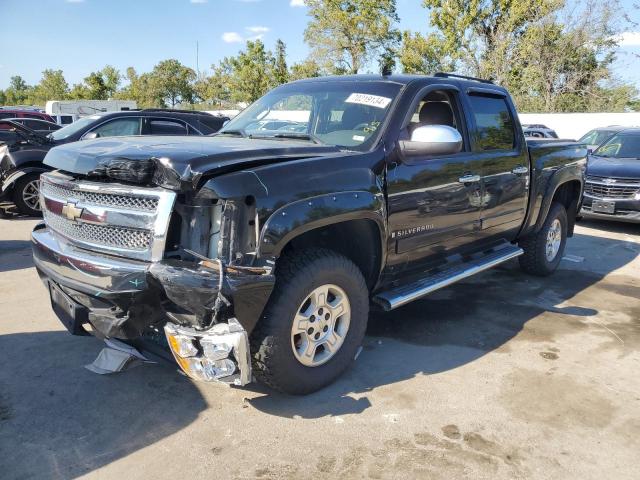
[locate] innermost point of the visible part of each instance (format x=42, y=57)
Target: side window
x=119, y=127
x=33, y=124
x=66, y=119
x=494, y=123
x=32, y=115
x=166, y=127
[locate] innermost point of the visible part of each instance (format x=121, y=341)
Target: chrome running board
x=404, y=294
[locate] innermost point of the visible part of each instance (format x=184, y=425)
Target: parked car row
x=24, y=148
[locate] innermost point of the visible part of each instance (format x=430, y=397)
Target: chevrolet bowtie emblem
x=71, y=211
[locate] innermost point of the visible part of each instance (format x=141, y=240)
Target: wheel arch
x=566, y=190
x=350, y=223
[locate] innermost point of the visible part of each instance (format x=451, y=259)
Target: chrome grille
x=111, y=218
x=119, y=237
x=611, y=188
x=101, y=199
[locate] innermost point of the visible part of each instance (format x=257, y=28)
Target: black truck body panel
x=417, y=212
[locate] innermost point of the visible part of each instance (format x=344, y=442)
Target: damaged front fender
x=194, y=288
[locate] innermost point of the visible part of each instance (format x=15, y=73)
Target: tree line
x=550, y=54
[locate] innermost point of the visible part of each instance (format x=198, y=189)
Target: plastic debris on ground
x=116, y=357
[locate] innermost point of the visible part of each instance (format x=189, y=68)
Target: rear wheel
x=314, y=323
x=543, y=251
x=26, y=195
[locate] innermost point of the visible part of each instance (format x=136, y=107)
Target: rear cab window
x=495, y=126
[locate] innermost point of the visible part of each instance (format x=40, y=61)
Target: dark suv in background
x=21, y=161
x=612, y=188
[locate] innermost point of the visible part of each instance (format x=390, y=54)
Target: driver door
x=434, y=201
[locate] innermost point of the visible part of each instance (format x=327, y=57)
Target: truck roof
x=405, y=79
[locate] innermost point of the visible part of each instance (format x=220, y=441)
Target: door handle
x=469, y=179
x=520, y=170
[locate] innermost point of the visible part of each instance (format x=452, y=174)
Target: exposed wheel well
x=568, y=194
x=358, y=240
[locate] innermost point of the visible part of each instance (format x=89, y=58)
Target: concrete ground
x=502, y=376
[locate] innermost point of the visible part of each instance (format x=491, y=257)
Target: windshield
x=596, y=137
x=342, y=113
x=622, y=145
x=73, y=128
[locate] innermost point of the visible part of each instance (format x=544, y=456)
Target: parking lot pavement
x=502, y=376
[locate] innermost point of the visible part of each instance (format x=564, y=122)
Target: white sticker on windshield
x=358, y=138
x=370, y=100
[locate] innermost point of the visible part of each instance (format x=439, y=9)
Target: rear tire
x=543, y=251
x=333, y=322
x=26, y=195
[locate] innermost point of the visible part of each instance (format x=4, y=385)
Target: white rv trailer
x=68, y=111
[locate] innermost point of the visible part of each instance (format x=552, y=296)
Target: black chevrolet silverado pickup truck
x=257, y=252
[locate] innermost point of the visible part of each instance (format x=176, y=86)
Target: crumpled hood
x=614, y=167
x=187, y=158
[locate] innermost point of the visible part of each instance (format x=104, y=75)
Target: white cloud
x=296, y=3
x=232, y=37
x=629, y=39
x=257, y=29
x=198, y=1
x=253, y=33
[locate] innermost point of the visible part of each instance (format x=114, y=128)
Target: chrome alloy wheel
x=31, y=194
x=554, y=239
x=320, y=325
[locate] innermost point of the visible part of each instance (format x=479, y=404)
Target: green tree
x=171, y=82
x=345, y=35
x=111, y=78
x=423, y=55
x=96, y=88
x=483, y=34
x=250, y=73
x=280, y=70
x=17, y=92
x=306, y=69
x=79, y=91
x=139, y=89
x=52, y=86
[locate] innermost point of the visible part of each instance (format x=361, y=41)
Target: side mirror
x=589, y=151
x=91, y=136
x=432, y=140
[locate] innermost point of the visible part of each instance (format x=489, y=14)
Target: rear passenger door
x=504, y=163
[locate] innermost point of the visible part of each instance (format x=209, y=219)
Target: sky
x=80, y=36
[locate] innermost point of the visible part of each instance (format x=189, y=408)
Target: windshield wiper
x=293, y=135
x=239, y=133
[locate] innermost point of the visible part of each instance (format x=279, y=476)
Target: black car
x=21, y=161
x=12, y=129
x=612, y=188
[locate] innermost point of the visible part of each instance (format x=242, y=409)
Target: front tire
x=543, y=251
x=26, y=195
x=313, y=324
